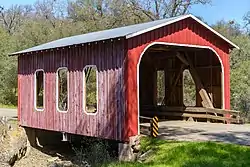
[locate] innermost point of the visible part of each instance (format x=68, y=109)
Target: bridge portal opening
x=176, y=81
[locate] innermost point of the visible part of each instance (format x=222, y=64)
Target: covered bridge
x=98, y=84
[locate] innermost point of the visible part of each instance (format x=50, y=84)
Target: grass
x=190, y=154
x=8, y=106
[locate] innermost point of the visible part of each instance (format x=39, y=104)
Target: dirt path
x=198, y=131
x=47, y=157
x=35, y=158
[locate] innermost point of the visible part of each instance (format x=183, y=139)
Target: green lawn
x=8, y=106
x=192, y=154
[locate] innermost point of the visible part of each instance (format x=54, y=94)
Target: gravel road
x=201, y=131
x=8, y=112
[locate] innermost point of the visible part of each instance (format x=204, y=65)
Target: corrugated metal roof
x=127, y=31
x=96, y=36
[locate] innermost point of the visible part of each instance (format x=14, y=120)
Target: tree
x=51, y=10
x=240, y=88
x=239, y=63
x=13, y=17
x=233, y=32
x=246, y=18
x=103, y=14
x=189, y=89
x=8, y=74
x=156, y=9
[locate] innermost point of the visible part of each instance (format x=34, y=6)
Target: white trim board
x=182, y=45
x=35, y=90
x=84, y=91
x=179, y=19
x=57, y=90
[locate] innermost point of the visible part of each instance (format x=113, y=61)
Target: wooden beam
x=191, y=109
x=199, y=67
x=206, y=102
x=142, y=117
x=174, y=83
x=197, y=112
x=187, y=115
x=160, y=49
x=182, y=59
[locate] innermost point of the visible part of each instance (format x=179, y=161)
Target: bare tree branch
x=12, y=18
x=156, y=9
x=247, y=21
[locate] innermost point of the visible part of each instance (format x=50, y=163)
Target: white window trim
x=57, y=93
x=35, y=90
x=84, y=90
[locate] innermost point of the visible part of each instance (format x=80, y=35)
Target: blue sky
x=219, y=9
x=222, y=9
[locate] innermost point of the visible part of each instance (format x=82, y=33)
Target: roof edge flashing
x=26, y=51
x=158, y=26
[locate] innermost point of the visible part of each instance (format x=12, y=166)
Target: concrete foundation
x=129, y=151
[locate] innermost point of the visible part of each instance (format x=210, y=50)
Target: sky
x=218, y=10
x=223, y=9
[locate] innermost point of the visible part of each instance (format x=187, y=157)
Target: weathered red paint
x=108, y=122
x=116, y=61
x=187, y=31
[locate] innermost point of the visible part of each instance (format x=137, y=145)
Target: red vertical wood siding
x=108, y=122
x=187, y=31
